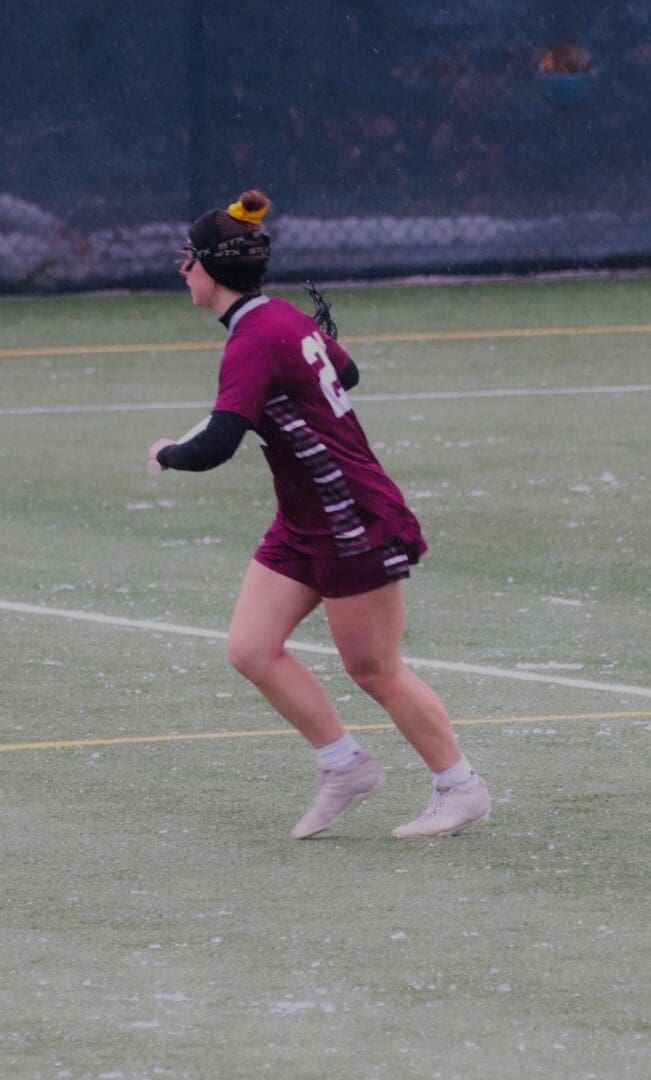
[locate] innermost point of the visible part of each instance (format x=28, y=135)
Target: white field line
x=523, y=391
x=427, y=395
x=322, y=650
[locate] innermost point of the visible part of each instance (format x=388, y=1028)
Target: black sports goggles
x=187, y=257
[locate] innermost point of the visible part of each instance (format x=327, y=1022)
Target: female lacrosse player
x=342, y=534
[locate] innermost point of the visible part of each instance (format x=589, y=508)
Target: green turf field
x=157, y=921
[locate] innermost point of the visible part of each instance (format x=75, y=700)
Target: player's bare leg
x=367, y=630
x=269, y=607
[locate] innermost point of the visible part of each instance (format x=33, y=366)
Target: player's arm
x=349, y=377
x=344, y=365
x=245, y=376
x=210, y=447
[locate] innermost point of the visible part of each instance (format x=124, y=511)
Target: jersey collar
x=241, y=308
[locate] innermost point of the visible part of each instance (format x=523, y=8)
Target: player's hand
x=153, y=451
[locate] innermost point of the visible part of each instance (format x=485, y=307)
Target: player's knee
x=379, y=677
x=249, y=660
x=244, y=659
x=367, y=673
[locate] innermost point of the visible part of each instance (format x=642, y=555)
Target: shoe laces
x=439, y=795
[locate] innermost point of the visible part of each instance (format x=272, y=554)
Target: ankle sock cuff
x=339, y=754
x=458, y=773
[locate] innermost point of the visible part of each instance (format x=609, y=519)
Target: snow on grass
x=562, y=601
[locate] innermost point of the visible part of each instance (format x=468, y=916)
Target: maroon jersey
x=281, y=372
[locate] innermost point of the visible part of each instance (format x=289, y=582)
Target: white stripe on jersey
x=339, y=506
x=326, y=479
x=395, y=559
x=308, y=453
x=349, y=535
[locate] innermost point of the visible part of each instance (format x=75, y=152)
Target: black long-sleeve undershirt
x=350, y=377
x=209, y=448
x=222, y=437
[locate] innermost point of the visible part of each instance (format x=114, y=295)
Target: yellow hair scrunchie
x=253, y=217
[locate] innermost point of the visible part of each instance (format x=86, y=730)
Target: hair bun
x=251, y=207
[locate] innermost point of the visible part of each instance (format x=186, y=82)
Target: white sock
x=338, y=754
x=458, y=773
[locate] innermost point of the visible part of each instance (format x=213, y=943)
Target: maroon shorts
x=333, y=576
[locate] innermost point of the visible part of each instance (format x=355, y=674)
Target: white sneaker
x=339, y=790
x=450, y=810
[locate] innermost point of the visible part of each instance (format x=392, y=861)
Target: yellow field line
x=121, y=740
x=94, y=350
x=433, y=335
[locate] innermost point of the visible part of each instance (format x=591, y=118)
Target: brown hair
x=239, y=265
x=254, y=200
x=249, y=201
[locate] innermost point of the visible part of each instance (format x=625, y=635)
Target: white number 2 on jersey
x=314, y=351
